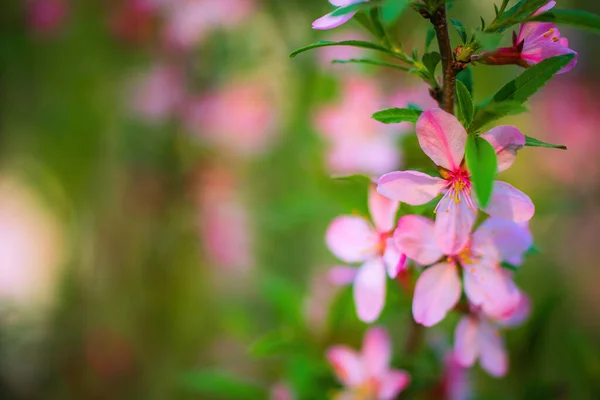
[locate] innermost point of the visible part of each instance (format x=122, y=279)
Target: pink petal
x=511, y=239
x=492, y=353
x=543, y=50
x=347, y=365
x=510, y=203
x=506, y=140
x=342, y=275
x=329, y=22
x=519, y=314
x=411, y=187
x=351, y=238
x=437, y=291
x=394, y=261
x=545, y=8
x=466, y=346
x=453, y=224
x=377, y=351
x=414, y=237
x=369, y=290
x=392, y=383
x=442, y=138
x=383, y=210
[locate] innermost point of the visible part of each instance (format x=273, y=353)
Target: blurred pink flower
x=443, y=138
x=367, y=375
x=134, y=20
x=281, y=391
x=190, y=21
x=46, y=16
x=318, y=301
x=158, y=94
x=356, y=143
x=31, y=248
x=455, y=383
x=223, y=220
x=329, y=21
x=486, y=284
x=478, y=336
x=239, y=118
x=354, y=239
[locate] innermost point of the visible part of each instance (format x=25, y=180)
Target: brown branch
x=450, y=67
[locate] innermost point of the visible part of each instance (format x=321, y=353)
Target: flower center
x=458, y=188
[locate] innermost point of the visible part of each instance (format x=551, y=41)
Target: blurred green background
x=165, y=189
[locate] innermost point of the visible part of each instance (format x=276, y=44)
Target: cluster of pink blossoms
x=454, y=243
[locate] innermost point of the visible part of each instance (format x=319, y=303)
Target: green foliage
x=533, y=142
x=275, y=343
x=464, y=103
x=219, y=384
x=354, y=43
x=371, y=62
x=466, y=77
x=356, y=7
x=575, y=18
x=482, y=164
x=429, y=38
x=431, y=60
x=460, y=28
x=521, y=88
x=397, y=115
x=514, y=15
x=391, y=10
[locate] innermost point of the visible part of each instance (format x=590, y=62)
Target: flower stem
x=449, y=65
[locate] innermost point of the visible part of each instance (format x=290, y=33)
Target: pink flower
x=443, y=139
x=478, y=336
x=251, y=131
x=158, y=93
x=47, y=16
x=356, y=143
x=367, y=375
x=355, y=239
x=455, y=383
x=329, y=21
x=134, y=20
x=281, y=391
x=486, y=284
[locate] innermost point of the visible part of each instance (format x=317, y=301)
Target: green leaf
x=431, y=60
x=515, y=15
x=466, y=77
x=355, y=7
x=397, y=115
x=522, y=87
x=212, y=383
x=495, y=111
x=354, y=43
x=575, y=18
x=460, y=28
x=429, y=38
x=464, y=103
x=391, y=10
x=358, y=179
x=482, y=164
x=371, y=62
x=533, y=142
x=273, y=343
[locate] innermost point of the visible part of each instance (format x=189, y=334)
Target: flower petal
x=510, y=203
x=392, y=383
x=329, y=21
x=351, y=238
x=519, y=314
x=369, y=290
x=506, y=140
x=543, y=50
x=411, y=187
x=492, y=353
x=376, y=351
x=453, y=224
x=394, y=260
x=342, y=275
x=466, y=346
x=347, y=365
x=437, y=291
x=511, y=239
x=414, y=237
x=383, y=210
x=442, y=138
x=550, y=5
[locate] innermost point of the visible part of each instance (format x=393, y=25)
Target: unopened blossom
x=356, y=143
x=535, y=42
x=249, y=131
x=443, y=139
x=486, y=283
x=355, y=239
x=330, y=21
x=478, y=336
x=367, y=375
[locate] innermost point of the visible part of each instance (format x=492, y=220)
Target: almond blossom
x=330, y=21
x=443, y=139
x=486, y=284
x=355, y=239
x=367, y=375
x=478, y=336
